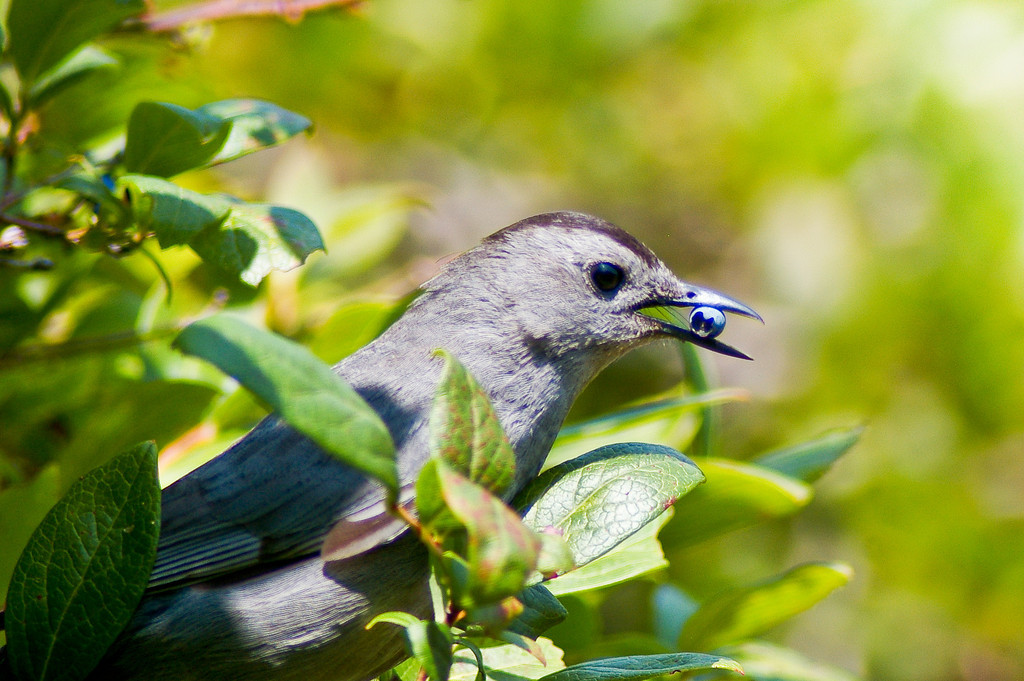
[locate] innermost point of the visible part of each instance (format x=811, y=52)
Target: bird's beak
x=683, y=295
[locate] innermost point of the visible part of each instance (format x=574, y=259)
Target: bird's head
x=572, y=284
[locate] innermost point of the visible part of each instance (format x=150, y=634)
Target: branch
x=41, y=227
x=217, y=10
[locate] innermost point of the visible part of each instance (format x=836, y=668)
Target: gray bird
x=240, y=590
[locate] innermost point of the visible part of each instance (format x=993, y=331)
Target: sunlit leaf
x=301, y=388
x=762, y=660
x=431, y=645
x=808, y=461
x=599, y=499
x=166, y=139
x=671, y=421
x=742, y=613
x=639, y=667
x=351, y=326
x=508, y=663
x=638, y=555
x=736, y=495
x=256, y=239
x=85, y=569
x=255, y=125
x=42, y=33
x=465, y=432
x=174, y=214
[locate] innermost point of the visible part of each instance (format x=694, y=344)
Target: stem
x=180, y=17
x=114, y=341
x=41, y=227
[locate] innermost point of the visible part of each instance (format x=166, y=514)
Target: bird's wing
x=272, y=496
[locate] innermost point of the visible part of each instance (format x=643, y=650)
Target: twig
x=41, y=227
x=292, y=10
x=82, y=346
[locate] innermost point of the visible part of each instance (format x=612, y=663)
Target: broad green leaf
x=255, y=239
x=508, y=663
x=742, y=613
x=79, y=65
x=465, y=432
x=541, y=611
x=85, y=569
x=670, y=421
x=166, y=139
x=639, y=667
x=770, y=662
x=173, y=213
x=599, y=499
x=22, y=507
x=638, y=555
x=430, y=644
x=43, y=33
x=255, y=125
x=736, y=495
x=810, y=460
x=501, y=551
x=299, y=387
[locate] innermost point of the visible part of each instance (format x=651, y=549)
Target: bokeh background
x=852, y=169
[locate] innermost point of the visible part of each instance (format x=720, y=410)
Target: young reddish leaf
x=465, y=432
x=301, y=388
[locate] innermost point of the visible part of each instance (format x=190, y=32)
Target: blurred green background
x=852, y=170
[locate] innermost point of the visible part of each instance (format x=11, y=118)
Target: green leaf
x=430, y=644
x=770, y=662
x=706, y=439
x=85, y=569
x=255, y=125
x=22, y=507
x=638, y=555
x=352, y=325
x=79, y=65
x=44, y=32
x=810, y=460
x=166, y=139
x=639, y=667
x=465, y=432
x=6, y=101
x=299, y=387
x=739, y=614
x=736, y=495
x=599, y=499
x=541, y=611
x=255, y=239
x=508, y=663
x=173, y=213
x=670, y=421
x=501, y=552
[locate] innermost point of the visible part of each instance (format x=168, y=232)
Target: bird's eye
x=606, y=276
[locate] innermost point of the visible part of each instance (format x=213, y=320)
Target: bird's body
x=240, y=589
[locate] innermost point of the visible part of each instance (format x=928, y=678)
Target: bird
x=240, y=588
